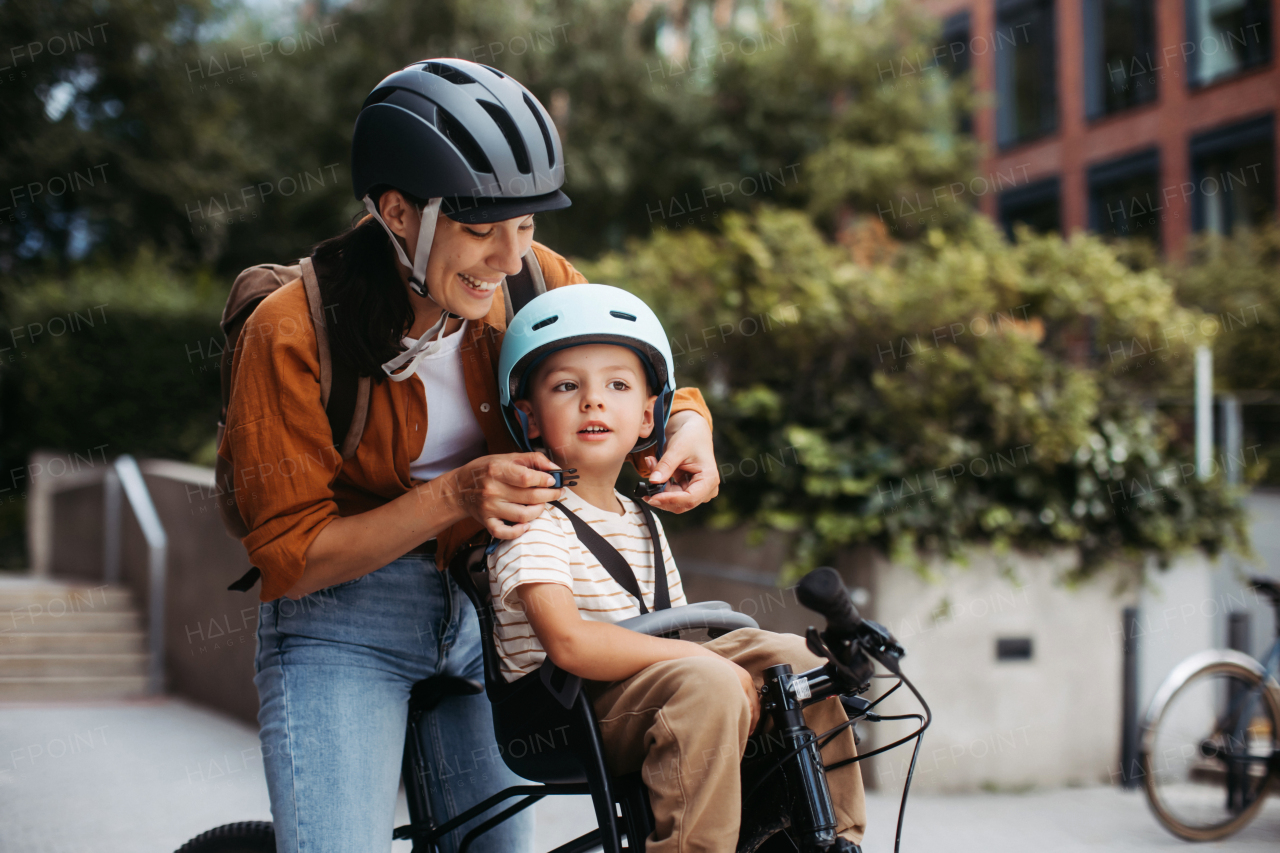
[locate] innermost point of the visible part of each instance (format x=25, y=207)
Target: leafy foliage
x=224, y=138
x=939, y=397
x=744, y=163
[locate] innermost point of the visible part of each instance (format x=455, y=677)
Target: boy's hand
x=688, y=466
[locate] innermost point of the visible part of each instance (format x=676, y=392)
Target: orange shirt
x=290, y=479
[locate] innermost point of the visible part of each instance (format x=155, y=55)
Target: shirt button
x=484, y=407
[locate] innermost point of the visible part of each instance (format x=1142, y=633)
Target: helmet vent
x=546, y=134
x=463, y=141
x=623, y=316
x=508, y=128
x=543, y=323
x=448, y=72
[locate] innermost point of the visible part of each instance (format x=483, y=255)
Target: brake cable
x=864, y=712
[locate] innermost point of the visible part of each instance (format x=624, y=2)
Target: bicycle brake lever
x=876, y=640
x=818, y=646
x=813, y=640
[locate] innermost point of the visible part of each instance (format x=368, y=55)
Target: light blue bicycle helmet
x=585, y=314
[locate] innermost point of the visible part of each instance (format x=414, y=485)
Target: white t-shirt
x=454, y=437
x=550, y=552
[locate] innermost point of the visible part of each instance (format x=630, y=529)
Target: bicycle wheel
x=1206, y=756
x=256, y=836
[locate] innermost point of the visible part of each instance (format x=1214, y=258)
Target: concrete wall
x=1052, y=720
x=209, y=631
x=1049, y=721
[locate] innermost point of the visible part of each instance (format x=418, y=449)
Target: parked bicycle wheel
x=1207, y=753
x=256, y=836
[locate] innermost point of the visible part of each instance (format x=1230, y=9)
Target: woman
x=409, y=300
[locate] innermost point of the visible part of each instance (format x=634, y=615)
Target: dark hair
x=366, y=306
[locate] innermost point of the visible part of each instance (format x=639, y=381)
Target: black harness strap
x=617, y=566
x=521, y=288
x=661, y=594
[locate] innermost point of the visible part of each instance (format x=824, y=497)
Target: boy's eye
x=475, y=233
x=566, y=385
x=620, y=385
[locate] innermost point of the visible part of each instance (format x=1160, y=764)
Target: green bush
x=960, y=390
x=108, y=362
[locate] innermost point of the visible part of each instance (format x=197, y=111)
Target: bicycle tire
x=255, y=836
x=1202, y=763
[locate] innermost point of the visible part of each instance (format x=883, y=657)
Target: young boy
x=591, y=392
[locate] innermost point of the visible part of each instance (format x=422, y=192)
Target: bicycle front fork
x=813, y=818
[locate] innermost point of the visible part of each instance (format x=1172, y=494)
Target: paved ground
x=142, y=777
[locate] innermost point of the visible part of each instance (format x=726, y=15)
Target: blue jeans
x=334, y=671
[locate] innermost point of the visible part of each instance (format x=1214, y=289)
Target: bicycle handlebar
x=847, y=632
x=823, y=592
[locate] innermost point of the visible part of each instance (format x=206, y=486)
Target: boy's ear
x=648, y=423
x=526, y=407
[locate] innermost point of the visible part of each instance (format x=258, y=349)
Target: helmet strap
x=426, y=235
x=524, y=427
x=432, y=339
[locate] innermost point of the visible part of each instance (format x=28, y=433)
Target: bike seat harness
x=617, y=566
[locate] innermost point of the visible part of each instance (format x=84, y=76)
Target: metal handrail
x=125, y=476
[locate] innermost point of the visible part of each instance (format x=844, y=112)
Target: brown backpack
x=344, y=393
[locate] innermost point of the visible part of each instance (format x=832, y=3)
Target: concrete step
x=56, y=599
x=22, y=622
x=47, y=643
x=69, y=641
x=72, y=665
x=60, y=688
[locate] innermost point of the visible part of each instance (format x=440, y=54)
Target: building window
x=1125, y=198
x=953, y=57
x=1227, y=37
x=1119, y=39
x=1035, y=205
x=1234, y=175
x=1027, y=106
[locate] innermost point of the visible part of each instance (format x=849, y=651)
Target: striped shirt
x=549, y=552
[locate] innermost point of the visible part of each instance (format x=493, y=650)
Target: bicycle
x=1210, y=747
x=786, y=803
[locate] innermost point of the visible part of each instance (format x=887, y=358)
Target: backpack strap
x=617, y=566
x=343, y=393
x=519, y=289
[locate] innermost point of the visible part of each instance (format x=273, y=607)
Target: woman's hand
x=688, y=466
x=510, y=487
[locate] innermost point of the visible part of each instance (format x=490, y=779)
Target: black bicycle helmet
x=466, y=137
x=461, y=132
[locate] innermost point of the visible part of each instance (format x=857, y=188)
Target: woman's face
x=467, y=263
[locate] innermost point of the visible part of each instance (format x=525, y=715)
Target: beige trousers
x=683, y=724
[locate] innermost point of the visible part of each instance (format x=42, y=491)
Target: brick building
x=1126, y=117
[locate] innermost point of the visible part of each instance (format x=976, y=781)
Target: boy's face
x=589, y=404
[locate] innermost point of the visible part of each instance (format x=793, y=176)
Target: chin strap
x=426, y=233
x=432, y=339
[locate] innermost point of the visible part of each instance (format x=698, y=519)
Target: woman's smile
x=478, y=287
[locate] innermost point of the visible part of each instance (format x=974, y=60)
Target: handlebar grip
x=823, y=592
